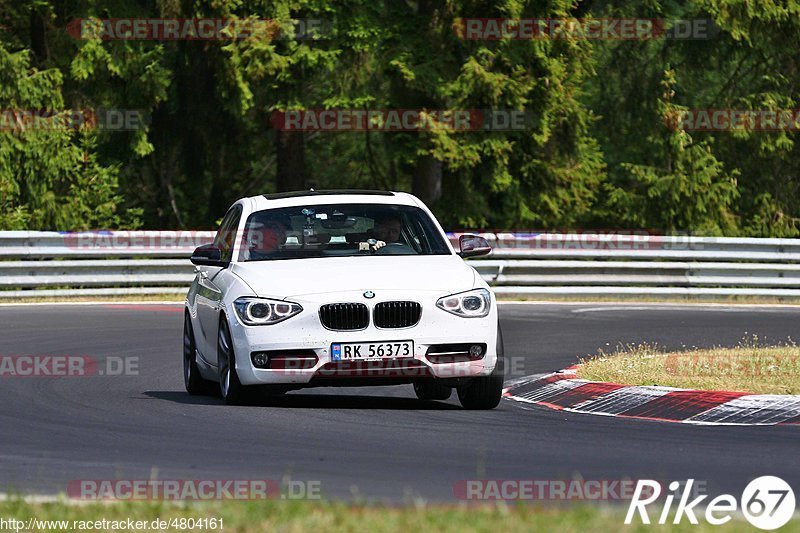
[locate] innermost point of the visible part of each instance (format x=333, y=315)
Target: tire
x=486, y=392
x=230, y=388
x=430, y=389
x=192, y=379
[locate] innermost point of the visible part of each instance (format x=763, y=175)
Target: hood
x=297, y=277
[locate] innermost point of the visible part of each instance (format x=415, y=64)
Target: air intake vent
x=397, y=314
x=347, y=316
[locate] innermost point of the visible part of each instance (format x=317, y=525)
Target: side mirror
x=208, y=255
x=473, y=246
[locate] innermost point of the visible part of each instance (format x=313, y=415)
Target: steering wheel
x=395, y=248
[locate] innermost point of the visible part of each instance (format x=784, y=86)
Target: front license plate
x=354, y=351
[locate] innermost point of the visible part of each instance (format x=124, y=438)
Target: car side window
x=226, y=236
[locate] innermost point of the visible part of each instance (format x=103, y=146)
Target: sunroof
x=297, y=194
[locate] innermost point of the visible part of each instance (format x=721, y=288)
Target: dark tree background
x=596, y=152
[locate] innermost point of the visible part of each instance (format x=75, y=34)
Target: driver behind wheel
x=264, y=237
x=387, y=230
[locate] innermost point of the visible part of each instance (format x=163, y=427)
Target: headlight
x=264, y=312
x=470, y=304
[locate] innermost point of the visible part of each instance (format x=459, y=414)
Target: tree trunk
x=38, y=37
x=427, y=182
x=291, y=161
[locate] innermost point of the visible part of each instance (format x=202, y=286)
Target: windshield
x=340, y=230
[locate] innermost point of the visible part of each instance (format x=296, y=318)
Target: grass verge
x=301, y=516
x=749, y=367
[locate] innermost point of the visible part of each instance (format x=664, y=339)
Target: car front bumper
x=305, y=332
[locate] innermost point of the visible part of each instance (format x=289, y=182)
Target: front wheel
x=486, y=392
x=482, y=393
x=231, y=389
x=429, y=390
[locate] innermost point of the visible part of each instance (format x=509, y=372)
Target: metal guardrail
x=46, y=264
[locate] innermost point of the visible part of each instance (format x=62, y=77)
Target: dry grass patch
x=750, y=367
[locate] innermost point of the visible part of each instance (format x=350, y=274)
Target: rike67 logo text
x=767, y=503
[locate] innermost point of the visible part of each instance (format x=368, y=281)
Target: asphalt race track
x=373, y=443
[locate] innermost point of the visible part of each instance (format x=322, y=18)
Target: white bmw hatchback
x=340, y=288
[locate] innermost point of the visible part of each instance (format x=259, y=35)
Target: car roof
x=339, y=196
x=325, y=192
